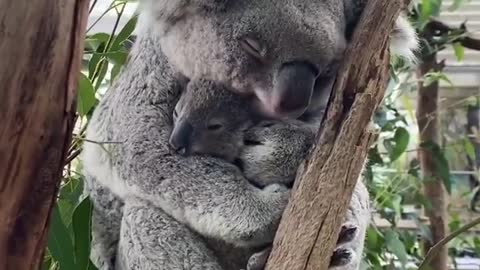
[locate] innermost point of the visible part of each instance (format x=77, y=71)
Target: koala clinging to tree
x=281, y=53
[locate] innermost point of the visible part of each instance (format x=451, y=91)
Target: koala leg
x=106, y=219
x=151, y=239
x=348, y=255
x=340, y=257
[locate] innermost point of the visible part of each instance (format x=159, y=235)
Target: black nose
x=294, y=87
x=181, y=136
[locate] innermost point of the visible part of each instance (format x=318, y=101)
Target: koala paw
x=341, y=257
x=275, y=188
x=258, y=260
x=344, y=256
x=273, y=151
x=347, y=234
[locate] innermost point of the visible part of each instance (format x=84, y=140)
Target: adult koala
x=281, y=52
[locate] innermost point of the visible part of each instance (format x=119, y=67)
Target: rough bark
x=323, y=189
x=434, y=189
x=41, y=43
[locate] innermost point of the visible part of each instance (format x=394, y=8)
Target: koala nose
x=180, y=137
x=293, y=88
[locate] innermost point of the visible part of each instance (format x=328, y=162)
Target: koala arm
x=208, y=194
x=276, y=149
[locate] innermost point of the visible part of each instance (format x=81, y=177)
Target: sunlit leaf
x=86, y=95
x=396, y=246
x=459, y=51
x=401, y=139
x=442, y=168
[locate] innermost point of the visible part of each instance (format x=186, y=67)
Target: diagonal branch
x=323, y=189
x=466, y=41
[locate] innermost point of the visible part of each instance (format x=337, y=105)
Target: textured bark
x=321, y=194
x=41, y=43
x=434, y=189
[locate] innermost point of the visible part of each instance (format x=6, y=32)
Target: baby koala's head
x=210, y=119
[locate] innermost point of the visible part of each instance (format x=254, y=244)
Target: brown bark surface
x=310, y=225
x=434, y=189
x=41, y=43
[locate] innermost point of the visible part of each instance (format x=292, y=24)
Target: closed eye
x=251, y=142
x=253, y=47
x=214, y=127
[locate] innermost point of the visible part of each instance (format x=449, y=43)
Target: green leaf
x=115, y=71
x=117, y=58
x=86, y=95
x=81, y=223
x=432, y=77
x=103, y=65
x=374, y=157
x=442, y=169
x=426, y=10
x=59, y=242
x=456, y=5
x=469, y=149
x=459, y=51
x=396, y=246
x=125, y=33
x=94, y=41
x=401, y=139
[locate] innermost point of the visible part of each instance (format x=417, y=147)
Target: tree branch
x=323, y=189
x=41, y=44
x=465, y=40
x=436, y=248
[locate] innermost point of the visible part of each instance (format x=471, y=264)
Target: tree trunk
x=434, y=189
x=310, y=225
x=41, y=43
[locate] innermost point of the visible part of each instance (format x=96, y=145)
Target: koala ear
x=404, y=39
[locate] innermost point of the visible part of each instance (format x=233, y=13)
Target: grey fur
x=210, y=119
x=187, y=212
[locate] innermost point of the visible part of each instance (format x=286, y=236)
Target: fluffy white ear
x=404, y=40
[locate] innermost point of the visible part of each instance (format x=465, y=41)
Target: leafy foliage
x=104, y=55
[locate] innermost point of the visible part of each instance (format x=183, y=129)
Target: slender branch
x=72, y=156
x=434, y=250
x=465, y=40
x=92, y=6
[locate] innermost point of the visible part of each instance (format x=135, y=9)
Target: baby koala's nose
x=180, y=137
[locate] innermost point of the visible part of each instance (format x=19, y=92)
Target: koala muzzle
x=293, y=88
x=181, y=137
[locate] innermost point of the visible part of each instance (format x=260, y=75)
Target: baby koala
x=210, y=119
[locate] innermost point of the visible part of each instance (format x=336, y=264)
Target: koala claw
x=341, y=257
x=258, y=260
x=347, y=234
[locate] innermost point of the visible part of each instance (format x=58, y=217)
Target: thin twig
x=72, y=156
x=434, y=250
x=112, y=6
x=109, y=42
x=466, y=41
x=92, y=6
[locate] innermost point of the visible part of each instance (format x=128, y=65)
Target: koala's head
x=284, y=53
x=209, y=119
